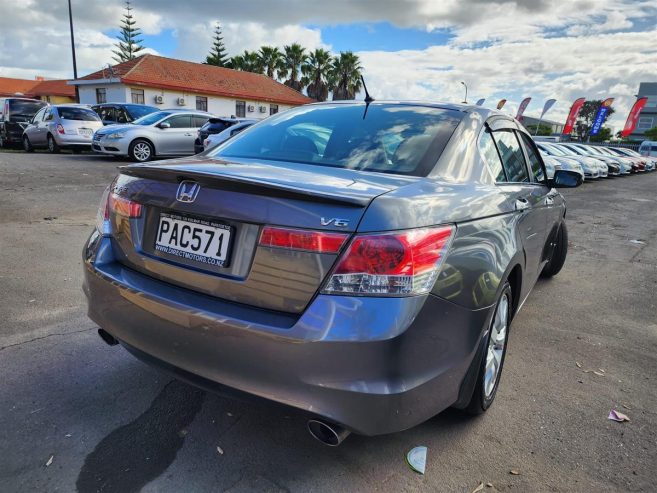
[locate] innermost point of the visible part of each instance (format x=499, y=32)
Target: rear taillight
x=403, y=263
x=110, y=202
x=302, y=239
x=60, y=129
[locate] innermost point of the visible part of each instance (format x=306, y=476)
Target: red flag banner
x=522, y=108
x=572, y=116
x=501, y=103
x=633, y=117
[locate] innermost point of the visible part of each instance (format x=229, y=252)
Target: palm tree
x=270, y=60
x=247, y=62
x=293, y=59
x=316, y=71
x=345, y=73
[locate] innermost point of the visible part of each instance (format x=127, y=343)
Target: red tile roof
x=168, y=73
x=35, y=88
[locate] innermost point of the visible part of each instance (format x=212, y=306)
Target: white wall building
x=167, y=83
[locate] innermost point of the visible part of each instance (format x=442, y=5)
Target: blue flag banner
x=600, y=116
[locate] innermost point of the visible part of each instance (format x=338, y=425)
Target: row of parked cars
x=137, y=131
x=593, y=162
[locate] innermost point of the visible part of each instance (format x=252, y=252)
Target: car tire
x=27, y=145
x=559, y=253
x=53, y=147
x=492, y=362
x=141, y=151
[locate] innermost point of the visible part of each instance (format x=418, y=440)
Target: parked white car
x=213, y=140
x=163, y=133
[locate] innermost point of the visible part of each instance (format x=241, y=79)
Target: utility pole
x=75, y=65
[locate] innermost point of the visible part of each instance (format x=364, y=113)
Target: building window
x=240, y=109
x=201, y=103
x=273, y=109
x=645, y=123
x=101, y=95
x=652, y=102
x=137, y=96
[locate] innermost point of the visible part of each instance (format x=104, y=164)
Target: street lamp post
x=465, y=99
x=75, y=65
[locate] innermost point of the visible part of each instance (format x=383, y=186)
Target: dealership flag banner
x=501, y=103
x=480, y=102
x=600, y=116
x=522, y=108
x=546, y=107
x=572, y=115
x=633, y=117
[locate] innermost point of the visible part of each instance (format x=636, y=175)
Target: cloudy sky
x=410, y=49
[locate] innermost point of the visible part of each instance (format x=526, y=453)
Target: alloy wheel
x=141, y=151
x=496, y=345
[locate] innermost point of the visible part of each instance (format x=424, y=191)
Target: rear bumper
x=372, y=365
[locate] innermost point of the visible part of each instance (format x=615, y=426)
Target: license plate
x=193, y=239
x=87, y=132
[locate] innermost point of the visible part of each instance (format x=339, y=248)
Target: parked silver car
x=60, y=126
x=164, y=133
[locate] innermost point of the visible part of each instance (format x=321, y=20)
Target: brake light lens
x=110, y=202
x=60, y=129
x=302, y=239
x=403, y=263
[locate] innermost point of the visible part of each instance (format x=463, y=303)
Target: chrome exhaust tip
x=107, y=337
x=327, y=433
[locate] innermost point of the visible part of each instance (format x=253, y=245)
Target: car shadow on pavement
x=134, y=454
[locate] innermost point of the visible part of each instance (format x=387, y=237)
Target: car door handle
x=522, y=204
x=189, y=135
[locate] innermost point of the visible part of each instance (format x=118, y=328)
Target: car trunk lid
x=243, y=196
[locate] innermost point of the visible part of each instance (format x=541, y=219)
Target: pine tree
x=218, y=55
x=129, y=44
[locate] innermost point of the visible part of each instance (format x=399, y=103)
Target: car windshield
x=151, y=118
x=80, y=114
x=138, y=110
x=553, y=150
x=384, y=137
x=19, y=107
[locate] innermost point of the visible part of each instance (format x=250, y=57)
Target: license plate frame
x=221, y=239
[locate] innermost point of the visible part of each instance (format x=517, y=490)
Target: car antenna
x=368, y=98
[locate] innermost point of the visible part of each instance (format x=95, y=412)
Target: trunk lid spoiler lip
x=260, y=186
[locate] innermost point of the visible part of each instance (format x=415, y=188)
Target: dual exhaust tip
x=327, y=433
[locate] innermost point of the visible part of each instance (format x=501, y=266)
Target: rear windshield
x=389, y=138
x=18, y=107
x=139, y=110
x=81, y=114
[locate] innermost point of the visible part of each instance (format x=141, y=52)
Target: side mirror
x=164, y=125
x=564, y=178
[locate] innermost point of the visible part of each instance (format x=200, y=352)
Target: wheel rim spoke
x=496, y=345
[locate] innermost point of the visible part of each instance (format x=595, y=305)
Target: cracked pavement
x=111, y=423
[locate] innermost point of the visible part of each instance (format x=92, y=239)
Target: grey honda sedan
x=360, y=262
x=163, y=133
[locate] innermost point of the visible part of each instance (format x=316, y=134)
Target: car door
x=38, y=131
x=178, y=138
x=526, y=197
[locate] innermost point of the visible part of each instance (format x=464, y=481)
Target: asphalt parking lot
x=76, y=414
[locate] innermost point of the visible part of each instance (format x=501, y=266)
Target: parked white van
x=648, y=148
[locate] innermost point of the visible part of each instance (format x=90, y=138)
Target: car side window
x=490, y=155
x=121, y=115
x=48, y=115
x=39, y=116
x=180, y=121
x=513, y=159
x=199, y=121
x=534, y=159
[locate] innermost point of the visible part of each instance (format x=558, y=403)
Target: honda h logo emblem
x=187, y=191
